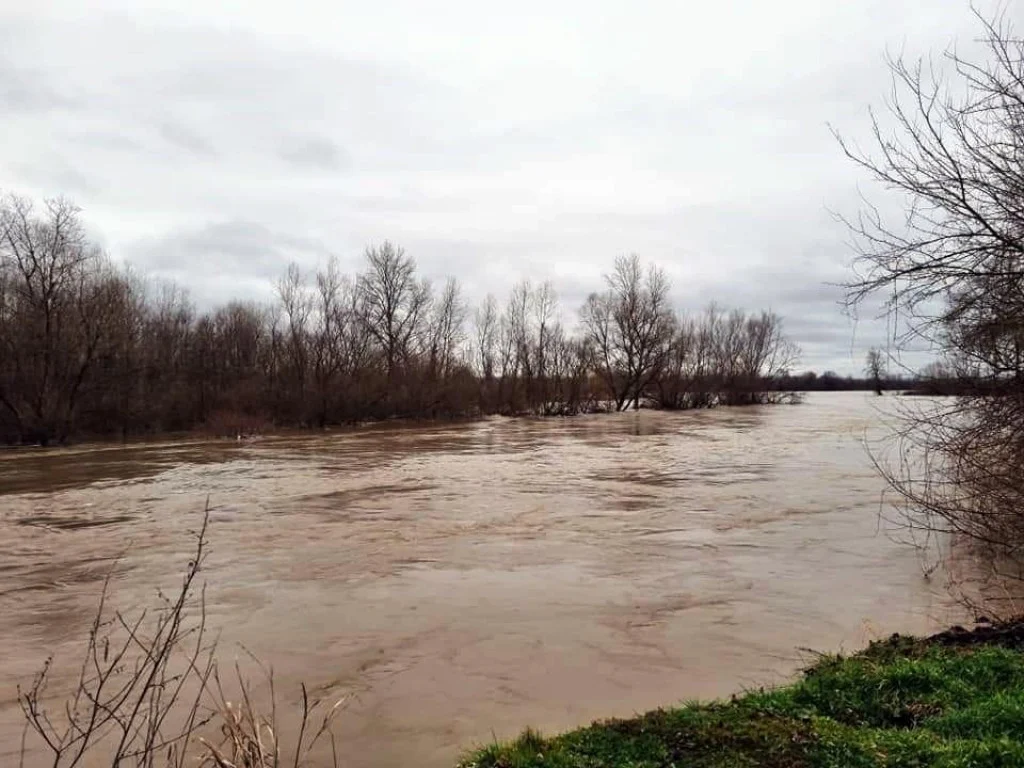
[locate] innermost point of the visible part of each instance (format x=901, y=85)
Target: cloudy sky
x=214, y=142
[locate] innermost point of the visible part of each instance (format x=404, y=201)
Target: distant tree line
x=935, y=378
x=830, y=381
x=89, y=347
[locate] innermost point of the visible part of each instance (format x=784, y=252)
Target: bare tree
x=874, y=367
x=546, y=335
x=767, y=356
x=686, y=379
x=297, y=307
x=326, y=342
x=447, y=330
x=951, y=267
x=630, y=327
x=729, y=358
x=515, y=359
x=486, y=322
x=395, y=302
x=53, y=318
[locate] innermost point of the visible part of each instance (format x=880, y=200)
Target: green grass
x=902, y=702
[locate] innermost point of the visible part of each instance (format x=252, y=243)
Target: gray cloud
x=25, y=89
x=57, y=174
x=225, y=260
x=313, y=152
x=214, y=147
x=181, y=137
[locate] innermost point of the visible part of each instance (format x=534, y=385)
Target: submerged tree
x=874, y=367
x=951, y=265
x=630, y=327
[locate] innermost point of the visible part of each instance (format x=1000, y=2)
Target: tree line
x=88, y=347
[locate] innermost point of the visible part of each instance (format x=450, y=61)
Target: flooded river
x=470, y=580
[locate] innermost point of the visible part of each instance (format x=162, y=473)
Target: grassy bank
x=955, y=699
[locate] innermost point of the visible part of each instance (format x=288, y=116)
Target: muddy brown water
x=470, y=580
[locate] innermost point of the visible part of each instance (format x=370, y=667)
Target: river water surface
x=467, y=581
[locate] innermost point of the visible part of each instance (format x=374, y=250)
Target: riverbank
x=245, y=430
x=953, y=699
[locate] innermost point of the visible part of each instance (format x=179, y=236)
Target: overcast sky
x=214, y=142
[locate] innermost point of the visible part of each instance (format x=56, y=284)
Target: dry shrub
x=149, y=694
x=230, y=423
